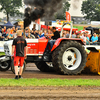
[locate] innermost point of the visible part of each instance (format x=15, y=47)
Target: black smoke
x=44, y=8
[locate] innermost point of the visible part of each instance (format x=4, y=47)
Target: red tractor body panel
x=32, y=48
x=36, y=46
x=42, y=45
x=58, y=41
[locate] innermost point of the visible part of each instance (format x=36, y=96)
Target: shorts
x=18, y=61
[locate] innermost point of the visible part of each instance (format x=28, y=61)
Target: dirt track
x=48, y=93
x=33, y=72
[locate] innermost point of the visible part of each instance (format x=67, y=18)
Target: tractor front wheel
x=45, y=66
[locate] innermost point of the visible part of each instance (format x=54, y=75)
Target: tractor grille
x=6, y=49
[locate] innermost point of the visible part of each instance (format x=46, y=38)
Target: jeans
x=50, y=45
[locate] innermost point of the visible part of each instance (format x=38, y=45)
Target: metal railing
x=70, y=30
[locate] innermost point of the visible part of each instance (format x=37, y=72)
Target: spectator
x=32, y=32
x=0, y=29
x=29, y=36
x=4, y=28
x=78, y=35
x=49, y=32
x=36, y=34
x=3, y=35
x=26, y=32
x=12, y=29
x=45, y=32
x=99, y=38
x=41, y=34
x=9, y=36
x=84, y=38
x=0, y=36
x=67, y=34
x=9, y=29
x=94, y=39
x=81, y=35
x=87, y=39
x=73, y=35
x=64, y=34
x=14, y=34
x=16, y=29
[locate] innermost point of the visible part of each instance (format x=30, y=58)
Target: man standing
x=19, y=49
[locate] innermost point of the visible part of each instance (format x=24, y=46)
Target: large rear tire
x=44, y=66
x=69, y=58
x=13, y=69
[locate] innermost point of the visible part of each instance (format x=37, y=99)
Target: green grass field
x=79, y=27
x=49, y=82
x=2, y=53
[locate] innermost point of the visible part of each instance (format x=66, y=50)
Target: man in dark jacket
x=54, y=36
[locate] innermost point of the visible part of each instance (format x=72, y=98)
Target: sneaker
x=20, y=77
x=16, y=78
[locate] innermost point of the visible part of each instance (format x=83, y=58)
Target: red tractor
x=68, y=55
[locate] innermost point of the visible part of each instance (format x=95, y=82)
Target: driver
x=54, y=36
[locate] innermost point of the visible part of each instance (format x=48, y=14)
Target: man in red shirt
x=19, y=49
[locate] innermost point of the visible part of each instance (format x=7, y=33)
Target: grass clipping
x=49, y=82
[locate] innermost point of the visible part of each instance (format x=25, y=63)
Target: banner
x=68, y=16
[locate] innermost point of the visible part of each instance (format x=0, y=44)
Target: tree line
x=90, y=9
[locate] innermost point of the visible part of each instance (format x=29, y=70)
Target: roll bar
x=70, y=30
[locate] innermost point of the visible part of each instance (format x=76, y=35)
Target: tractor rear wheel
x=69, y=58
x=44, y=66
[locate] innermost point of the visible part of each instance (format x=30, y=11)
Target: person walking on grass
x=19, y=49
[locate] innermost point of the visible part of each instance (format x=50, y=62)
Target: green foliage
x=49, y=82
x=10, y=7
x=91, y=9
x=59, y=16
x=83, y=22
x=66, y=6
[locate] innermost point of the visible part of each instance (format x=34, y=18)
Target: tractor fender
x=58, y=41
